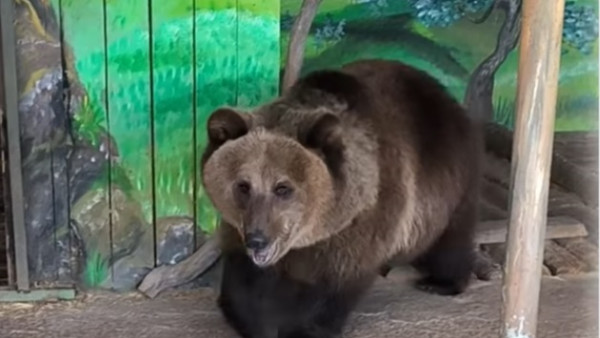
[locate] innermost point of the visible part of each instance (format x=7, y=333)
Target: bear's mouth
x=263, y=257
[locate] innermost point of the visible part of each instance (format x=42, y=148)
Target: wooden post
x=537, y=84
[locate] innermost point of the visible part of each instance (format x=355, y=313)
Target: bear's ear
x=225, y=124
x=325, y=134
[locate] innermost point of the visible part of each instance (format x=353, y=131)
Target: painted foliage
x=114, y=100
x=471, y=46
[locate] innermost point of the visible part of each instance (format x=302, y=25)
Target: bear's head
x=274, y=189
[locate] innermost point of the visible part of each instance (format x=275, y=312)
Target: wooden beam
x=537, y=83
x=489, y=232
x=36, y=295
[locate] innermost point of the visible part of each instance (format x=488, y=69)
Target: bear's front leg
x=323, y=310
x=241, y=299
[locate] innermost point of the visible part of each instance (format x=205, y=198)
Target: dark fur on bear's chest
x=267, y=304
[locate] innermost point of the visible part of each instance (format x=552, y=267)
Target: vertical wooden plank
x=195, y=164
x=40, y=82
x=258, y=51
x=60, y=170
x=130, y=124
x=10, y=94
x=532, y=153
x=216, y=81
x=173, y=114
x=83, y=31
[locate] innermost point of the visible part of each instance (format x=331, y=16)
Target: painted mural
x=114, y=100
x=114, y=96
x=471, y=46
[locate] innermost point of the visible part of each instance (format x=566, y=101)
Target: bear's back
x=420, y=141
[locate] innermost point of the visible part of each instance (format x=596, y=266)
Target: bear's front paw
x=439, y=287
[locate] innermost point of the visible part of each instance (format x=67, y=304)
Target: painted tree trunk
x=298, y=37
x=479, y=94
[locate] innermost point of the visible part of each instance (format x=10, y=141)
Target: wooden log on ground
x=582, y=213
x=537, y=87
x=560, y=201
x=575, y=178
x=485, y=268
x=495, y=194
x=169, y=276
x=559, y=198
x=561, y=261
x=580, y=147
x=556, y=227
x=497, y=170
x=569, y=175
x=569, y=204
x=583, y=249
x=490, y=212
x=166, y=277
x=497, y=252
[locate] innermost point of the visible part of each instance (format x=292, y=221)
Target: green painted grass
x=218, y=67
x=96, y=270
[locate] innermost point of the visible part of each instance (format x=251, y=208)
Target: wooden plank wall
x=134, y=84
x=41, y=76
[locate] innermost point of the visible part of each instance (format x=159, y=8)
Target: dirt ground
x=569, y=308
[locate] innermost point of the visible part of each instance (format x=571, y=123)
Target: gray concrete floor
x=569, y=309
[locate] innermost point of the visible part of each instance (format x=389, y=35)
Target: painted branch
x=537, y=84
x=168, y=276
x=478, y=96
x=298, y=37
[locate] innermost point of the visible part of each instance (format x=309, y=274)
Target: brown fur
x=383, y=164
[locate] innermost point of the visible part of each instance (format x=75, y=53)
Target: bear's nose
x=256, y=240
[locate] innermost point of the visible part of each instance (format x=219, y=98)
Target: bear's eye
x=243, y=187
x=283, y=190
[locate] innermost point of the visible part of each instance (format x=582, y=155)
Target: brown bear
x=323, y=186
